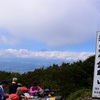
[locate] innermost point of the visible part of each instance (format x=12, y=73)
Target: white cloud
x=53, y=22
x=23, y=53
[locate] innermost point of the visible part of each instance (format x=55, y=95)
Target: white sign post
x=96, y=80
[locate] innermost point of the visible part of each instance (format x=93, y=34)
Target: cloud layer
x=55, y=23
x=50, y=55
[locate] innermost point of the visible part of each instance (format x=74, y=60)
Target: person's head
x=19, y=91
x=14, y=79
x=34, y=84
x=4, y=83
x=24, y=89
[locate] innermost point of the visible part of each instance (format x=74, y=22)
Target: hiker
x=36, y=90
x=13, y=86
x=17, y=96
x=3, y=94
x=24, y=88
x=47, y=91
x=25, y=92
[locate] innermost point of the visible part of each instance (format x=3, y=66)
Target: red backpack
x=13, y=97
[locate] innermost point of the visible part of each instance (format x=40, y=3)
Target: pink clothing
x=34, y=89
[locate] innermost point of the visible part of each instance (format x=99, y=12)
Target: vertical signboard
x=96, y=80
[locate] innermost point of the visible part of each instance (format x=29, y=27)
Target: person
x=3, y=94
x=36, y=90
x=17, y=95
x=48, y=92
x=24, y=88
x=13, y=86
x=25, y=92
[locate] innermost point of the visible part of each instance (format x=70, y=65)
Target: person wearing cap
x=36, y=90
x=3, y=94
x=13, y=86
x=24, y=88
x=26, y=92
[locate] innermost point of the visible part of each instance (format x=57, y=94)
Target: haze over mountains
x=23, y=60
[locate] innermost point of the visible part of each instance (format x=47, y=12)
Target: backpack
x=13, y=97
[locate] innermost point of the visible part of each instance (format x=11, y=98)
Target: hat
x=24, y=89
x=14, y=79
x=47, y=89
x=14, y=97
x=4, y=82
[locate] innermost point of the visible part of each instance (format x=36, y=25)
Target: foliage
x=81, y=94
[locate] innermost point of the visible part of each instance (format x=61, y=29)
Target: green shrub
x=80, y=94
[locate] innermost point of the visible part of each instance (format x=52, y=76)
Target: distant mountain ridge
x=22, y=65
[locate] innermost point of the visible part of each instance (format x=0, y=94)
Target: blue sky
x=53, y=25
